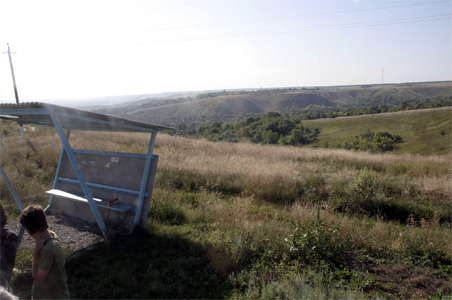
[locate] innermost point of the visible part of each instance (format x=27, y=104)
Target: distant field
x=425, y=131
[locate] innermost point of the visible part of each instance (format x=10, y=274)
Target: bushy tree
x=270, y=128
x=374, y=141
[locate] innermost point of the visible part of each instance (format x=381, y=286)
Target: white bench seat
x=118, y=206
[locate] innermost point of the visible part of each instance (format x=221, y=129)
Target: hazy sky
x=75, y=49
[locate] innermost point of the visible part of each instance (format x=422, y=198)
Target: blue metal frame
x=101, y=186
x=86, y=190
x=57, y=175
x=11, y=189
x=144, y=180
x=106, y=153
x=25, y=111
x=16, y=198
x=93, y=121
x=64, y=119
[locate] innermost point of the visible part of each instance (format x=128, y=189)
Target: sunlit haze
x=78, y=49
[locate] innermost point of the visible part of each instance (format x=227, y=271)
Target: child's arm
x=35, y=262
x=42, y=260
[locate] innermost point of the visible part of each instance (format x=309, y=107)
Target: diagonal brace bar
x=15, y=196
x=11, y=189
x=81, y=178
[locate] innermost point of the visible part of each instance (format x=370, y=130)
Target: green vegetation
x=374, y=141
x=423, y=131
x=246, y=221
x=271, y=128
x=418, y=131
x=369, y=194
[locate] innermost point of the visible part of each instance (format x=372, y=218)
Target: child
x=8, y=248
x=49, y=274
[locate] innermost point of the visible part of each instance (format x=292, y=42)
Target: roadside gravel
x=72, y=234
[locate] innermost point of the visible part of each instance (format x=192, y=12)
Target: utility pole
x=16, y=94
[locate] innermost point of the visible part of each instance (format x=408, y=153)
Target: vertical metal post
x=145, y=180
x=81, y=178
x=16, y=94
x=58, y=170
x=57, y=175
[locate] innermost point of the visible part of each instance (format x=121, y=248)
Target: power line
x=265, y=19
x=413, y=4
x=397, y=21
x=390, y=22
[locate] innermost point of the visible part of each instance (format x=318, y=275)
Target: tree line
x=270, y=128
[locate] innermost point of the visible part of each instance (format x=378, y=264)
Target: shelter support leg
x=81, y=178
x=11, y=189
x=15, y=196
x=58, y=171
x=144, y=180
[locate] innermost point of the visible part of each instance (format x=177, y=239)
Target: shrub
x=366, y=186
x=318, y=244
x=425, y=253
x=374, y=141
x=168, y=214
x=370, y=195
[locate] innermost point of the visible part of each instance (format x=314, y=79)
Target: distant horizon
x=220, y=89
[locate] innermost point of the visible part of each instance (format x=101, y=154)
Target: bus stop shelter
x=107, y=188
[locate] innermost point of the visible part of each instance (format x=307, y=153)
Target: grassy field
x=425, y=131
x=245, y=221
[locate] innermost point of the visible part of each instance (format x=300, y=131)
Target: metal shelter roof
x=71, y=118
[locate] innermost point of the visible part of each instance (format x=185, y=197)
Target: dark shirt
x=8, y=247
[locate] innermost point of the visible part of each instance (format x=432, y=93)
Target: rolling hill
x=227, y=105
x=424, y=131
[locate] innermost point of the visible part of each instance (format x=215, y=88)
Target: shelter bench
x=108, y=204
x=115, y=183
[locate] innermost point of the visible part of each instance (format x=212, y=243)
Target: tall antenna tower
x=382, y=75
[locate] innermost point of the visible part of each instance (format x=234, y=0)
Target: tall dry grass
x=223, y=206
x=247, y=167
x=267, y=164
